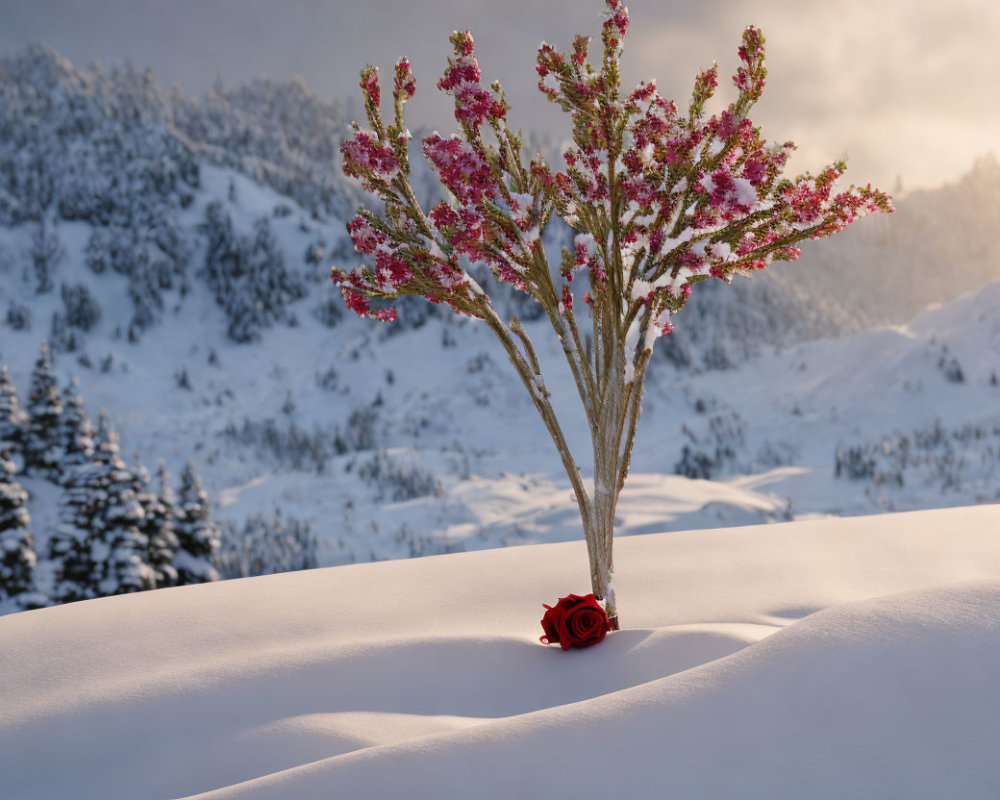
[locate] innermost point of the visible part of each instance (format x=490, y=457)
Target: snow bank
x=828, y=658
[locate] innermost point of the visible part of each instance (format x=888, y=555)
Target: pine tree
x=265, y=547
x=197, y=534
x=46, y=253
x=17, y=547
x=101, y=435
x=275, y=286
x=127, y=568
x=73, y=546
x=76, y=435
x=158, y=523
x=13, y=421
x=247, y=274
x=42, y=449
x=99, y=546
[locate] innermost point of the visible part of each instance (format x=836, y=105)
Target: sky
x=905, y=90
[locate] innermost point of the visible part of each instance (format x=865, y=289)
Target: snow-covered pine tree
x=62, y=338
x=197, y=534
x=13, y=421
x=99, y=546
x=42, y=447
x=102, y=434
x=46, y=252
x=17, y=547
x=76, y=433
x=73, y=545
x=81, y=308
x=247, y=275
x=275, y=286
x=126, y=568
x=146, y=296
x=266, y=548
x=226, y=270
x=157, y=525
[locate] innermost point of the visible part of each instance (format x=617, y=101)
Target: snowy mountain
x=824, y=659
x=175, y=254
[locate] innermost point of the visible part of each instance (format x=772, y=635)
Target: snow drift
x=825, y=658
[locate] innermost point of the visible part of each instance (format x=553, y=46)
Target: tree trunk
x=602, y=581
x=606, y=441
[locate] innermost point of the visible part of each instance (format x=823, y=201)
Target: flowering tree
x=659, y=199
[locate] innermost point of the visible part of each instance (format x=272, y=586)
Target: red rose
x=575, y=621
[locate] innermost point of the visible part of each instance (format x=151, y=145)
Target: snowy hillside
x=825, y=659
x=175, y=252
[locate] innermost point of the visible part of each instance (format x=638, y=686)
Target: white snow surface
x=828, y=658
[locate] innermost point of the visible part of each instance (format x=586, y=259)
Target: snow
x=828, y=658
x=586, y=241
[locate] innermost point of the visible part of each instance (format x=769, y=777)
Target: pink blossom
x=706, y=81
x=692, y=261
x=473, y=104
x=405, y=85
x=369, y=84
x=750, y=76
x=567, y=297
x=391, y=269
x=754, y=171
x=461, y=168
x=443, y=216
x=549, y=66
x=643, y=92
x=364, y=157
x=728, y=124
x=358, y=303
x=728, y=195
x=616, y=24
x=366, y=238
x=805, y=200
x=683, y=180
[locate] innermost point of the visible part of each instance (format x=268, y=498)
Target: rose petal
x=563, y=632
x=584, y=623
x=549, y=626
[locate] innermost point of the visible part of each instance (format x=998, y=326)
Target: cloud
x=903, y=88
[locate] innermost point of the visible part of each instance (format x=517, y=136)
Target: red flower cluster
x=461, y=168
x=473, y=104
x=659, y=199
x=404, y=84
x=366, y=158
x=704, y=193
x=575, y=621
x=365, y=237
